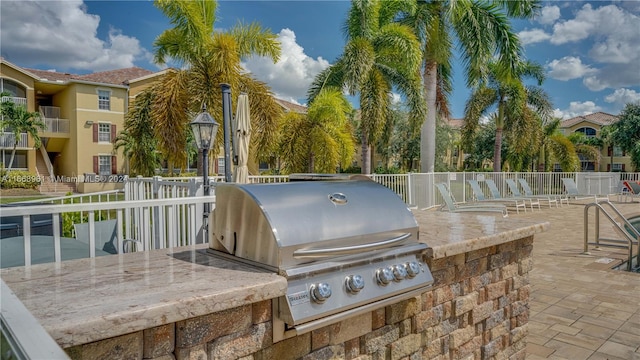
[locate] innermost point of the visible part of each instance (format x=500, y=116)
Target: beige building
x=612, y=158
x=83, y=114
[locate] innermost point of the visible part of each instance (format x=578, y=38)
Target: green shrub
x=71, y=218
x=17, y=179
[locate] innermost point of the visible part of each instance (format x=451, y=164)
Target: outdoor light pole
x=204, y=129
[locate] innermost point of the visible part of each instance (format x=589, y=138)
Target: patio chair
x=573, y=193
x=633, y=188
x=513, y=187
x=451, y=205
x=550, y=198
x=496, y=197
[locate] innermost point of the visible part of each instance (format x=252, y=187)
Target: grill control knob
x=384, y=275
x=399, y=272
x=354, y=283
x=320, y=292
x=413, y=269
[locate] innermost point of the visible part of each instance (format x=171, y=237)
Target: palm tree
x=137, y=140
x=208, y=58
x=518, y=107
x=321, y=141
x=586, y=148
x=380, y=55
x=482, y=29
x=556, y=148
x=19, y=120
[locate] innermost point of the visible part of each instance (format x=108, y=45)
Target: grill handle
x=346, y=250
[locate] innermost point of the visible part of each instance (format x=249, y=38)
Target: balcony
x=16, y=100
x=51, y=118
x=8, y=140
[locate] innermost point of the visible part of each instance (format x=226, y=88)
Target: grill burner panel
x=301, y=305
x=345, y=247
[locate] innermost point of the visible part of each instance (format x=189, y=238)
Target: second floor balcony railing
x=51, y=118
x=16, y=100
x=8, y=140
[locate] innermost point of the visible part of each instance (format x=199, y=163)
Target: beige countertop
x=449, y=234
x=81, y=301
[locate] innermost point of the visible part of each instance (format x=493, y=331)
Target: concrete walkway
x=580, y=308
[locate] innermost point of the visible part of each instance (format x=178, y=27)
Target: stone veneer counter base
x=198, y=305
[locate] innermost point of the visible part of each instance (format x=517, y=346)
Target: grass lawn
x=8, y=196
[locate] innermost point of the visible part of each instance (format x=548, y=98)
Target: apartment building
x=612, y=158
x=82, y=113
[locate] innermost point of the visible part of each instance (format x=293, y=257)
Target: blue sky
x=590, y=49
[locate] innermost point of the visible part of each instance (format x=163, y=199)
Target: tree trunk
x=428, y=131
x=13, y=154
x=312, y=162
x=366, y=155
x=497, y=154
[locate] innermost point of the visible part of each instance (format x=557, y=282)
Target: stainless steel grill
x=345, y=247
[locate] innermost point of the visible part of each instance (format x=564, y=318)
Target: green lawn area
x=14, y=199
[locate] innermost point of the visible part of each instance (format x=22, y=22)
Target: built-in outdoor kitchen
x=301, y=270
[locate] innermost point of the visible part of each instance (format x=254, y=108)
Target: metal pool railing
x=630, y=235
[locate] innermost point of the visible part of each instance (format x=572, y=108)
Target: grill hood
x=289, y=224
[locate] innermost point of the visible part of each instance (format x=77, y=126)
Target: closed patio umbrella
x=242, y=137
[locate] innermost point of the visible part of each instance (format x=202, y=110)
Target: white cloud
x=533, y=36
x=395, y=98
x=548, y=15
x=623, y=96
x=614, y=31
x=292, y=75
x=63, y=35
x=577, y=108
x=568, y=68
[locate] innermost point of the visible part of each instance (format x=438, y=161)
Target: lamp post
x=204, y=129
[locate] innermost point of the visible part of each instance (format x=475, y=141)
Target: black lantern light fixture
x=205, y=128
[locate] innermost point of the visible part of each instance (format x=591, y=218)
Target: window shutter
x=609, y=150
x=113, y=133
x=114, y=164
x=623, y=167
x=608, y=167
x=96, y=167
x=95, y=132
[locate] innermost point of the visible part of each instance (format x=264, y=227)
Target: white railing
x=51, y=118
x=8, y=140
x=153, y=224
x=416, y=189
x=20, y=101
x=57, y=125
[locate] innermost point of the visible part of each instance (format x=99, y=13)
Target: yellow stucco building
x=612, y=158
x=83, y=114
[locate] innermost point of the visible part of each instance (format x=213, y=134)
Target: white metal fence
x=166, y=212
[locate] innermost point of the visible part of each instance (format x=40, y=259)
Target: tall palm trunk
x=497, y=148
x=428, y=131
x=13, y=153
x=366, y=155
x=312, y=162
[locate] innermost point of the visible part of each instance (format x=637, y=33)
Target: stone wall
x=477, y=309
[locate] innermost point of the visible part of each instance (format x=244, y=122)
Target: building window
x=105, y=164
x=104, y=132
x=104, y=100
x=617, y=167
x=13, y=88
x=587, y=131
x=617, y=151
x=220, y=166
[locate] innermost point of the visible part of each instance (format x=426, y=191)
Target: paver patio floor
x=579, y=307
